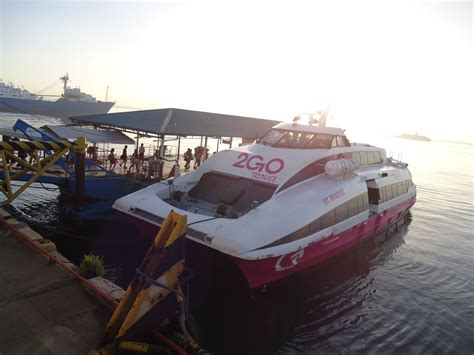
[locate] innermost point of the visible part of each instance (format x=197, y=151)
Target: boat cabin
x=296, y=136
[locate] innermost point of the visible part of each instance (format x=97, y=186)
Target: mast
x=64, y=79
x=323, y=116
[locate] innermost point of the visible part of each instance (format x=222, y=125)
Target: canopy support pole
x=179, y=147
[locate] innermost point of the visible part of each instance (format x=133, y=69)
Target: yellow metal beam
x=7, y=150
x=29, y=146
x=142, y=295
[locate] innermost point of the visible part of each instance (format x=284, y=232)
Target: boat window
x=320, y=141
x=370, y=158
x=272, y=137
x=328, y=220
x=378, y=158
x=341, y=213
x=342, y=141
x=315, y=226
x=294, y=140
x=347, y=210
x=389, y=192
x=302, y=140
x=352, y=208
x=234, y=191
x=366, y=157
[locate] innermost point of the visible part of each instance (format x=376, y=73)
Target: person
x=198, y=153
x=188, y=156
x=142, y=154
x=135, y=160
x=90, y=151
x=22, y=155
x=124, y=157
x=112, y=159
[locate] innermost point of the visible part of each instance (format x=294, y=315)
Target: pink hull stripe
x=265, y=271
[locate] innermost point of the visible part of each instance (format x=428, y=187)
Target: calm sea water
x=412, y=293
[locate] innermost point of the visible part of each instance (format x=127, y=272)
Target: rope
x=145, y=277
x=47, y=88
x=204, y=220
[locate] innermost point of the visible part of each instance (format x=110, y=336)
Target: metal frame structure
x=56, y=149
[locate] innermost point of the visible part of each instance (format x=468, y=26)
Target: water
x=412, y=293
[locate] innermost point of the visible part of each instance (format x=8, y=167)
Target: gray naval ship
x=72, y=102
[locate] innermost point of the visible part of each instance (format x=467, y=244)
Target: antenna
x=107, y=94
x=65, y=79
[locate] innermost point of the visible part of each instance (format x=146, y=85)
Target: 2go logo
x=257, y=162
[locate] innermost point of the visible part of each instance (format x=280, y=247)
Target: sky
x=385, y=67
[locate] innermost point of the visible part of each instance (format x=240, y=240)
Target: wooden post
x=80, y=174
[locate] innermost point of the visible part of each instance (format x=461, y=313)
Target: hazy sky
x=390, y=67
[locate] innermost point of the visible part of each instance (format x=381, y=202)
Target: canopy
x=179, y=122
x=91, y=135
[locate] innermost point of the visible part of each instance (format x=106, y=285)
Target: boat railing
x=396, y=162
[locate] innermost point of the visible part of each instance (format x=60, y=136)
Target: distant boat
x=72, y=102
x=415, y=136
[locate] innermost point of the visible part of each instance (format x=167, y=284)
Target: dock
x=48, y=307
x=43, y=308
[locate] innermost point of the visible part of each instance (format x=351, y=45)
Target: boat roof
x=298, y=127
x=180, y=122
x=72, y=132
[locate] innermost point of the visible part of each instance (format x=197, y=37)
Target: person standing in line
x=142, y=154
x=188, y=156
x=124, y=157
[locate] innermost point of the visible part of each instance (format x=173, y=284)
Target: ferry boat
x=297, y=196
x=73, y=102
x=415, y=136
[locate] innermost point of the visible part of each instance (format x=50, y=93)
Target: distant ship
x=415, y=136
x=72, y=102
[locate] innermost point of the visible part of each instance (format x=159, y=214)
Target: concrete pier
x=43, y=309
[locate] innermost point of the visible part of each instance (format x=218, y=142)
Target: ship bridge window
x=234, y=191
x=272, y=137
x=294, y=140
x=320, y=141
